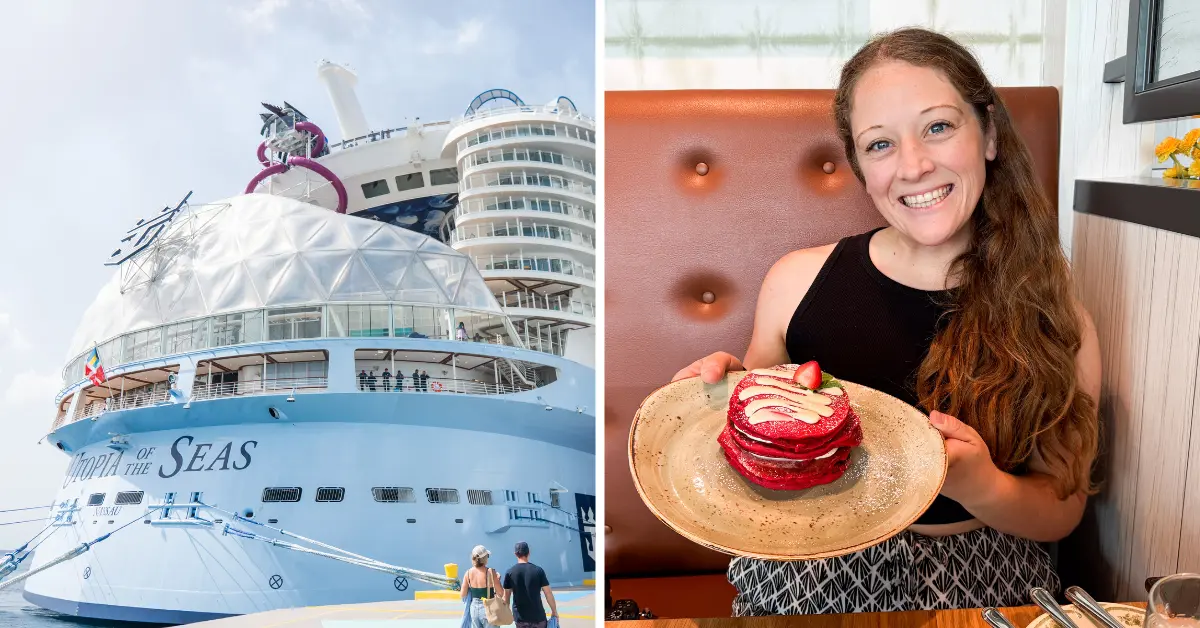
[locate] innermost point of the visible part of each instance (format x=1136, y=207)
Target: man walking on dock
x=523, y=585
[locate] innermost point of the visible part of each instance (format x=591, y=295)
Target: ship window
x=375, y=188
x=330, y=494
x=532, y=497
x=444, y=176
x=554, y=499
x=510, y=496
x=393, y=494
x=129, y=498
x=294, y=322
x=479, y=498
x=409, y=182
x=96, y=499
x=281, y=494
x=442, y=495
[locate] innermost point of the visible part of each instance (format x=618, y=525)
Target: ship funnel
x=339, y=82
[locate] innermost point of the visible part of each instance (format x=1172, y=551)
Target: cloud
x=453, y=41
x=11, y=338
x=262, y=15
x=33, y=388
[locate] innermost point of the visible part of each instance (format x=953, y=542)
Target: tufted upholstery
x=672, y=234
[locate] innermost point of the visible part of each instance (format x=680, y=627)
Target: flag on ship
x=93, y=369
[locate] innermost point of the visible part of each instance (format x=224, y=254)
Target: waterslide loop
x=271, y=170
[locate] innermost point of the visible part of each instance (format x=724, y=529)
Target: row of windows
x=411, y=181
x=523, y=154
x=124, y=498
x=400, y=494
x=504, y=203
x=528, y=130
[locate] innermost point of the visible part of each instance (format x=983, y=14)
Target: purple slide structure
x=303, y=162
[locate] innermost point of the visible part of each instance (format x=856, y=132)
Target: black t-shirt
x=526, y=580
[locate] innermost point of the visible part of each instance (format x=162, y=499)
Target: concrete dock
x=576, y=609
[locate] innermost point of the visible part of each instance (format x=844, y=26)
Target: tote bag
x=498, y=613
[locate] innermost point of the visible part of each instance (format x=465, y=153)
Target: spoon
x=1085, y=603
x=996, y=619
x=1042, y=598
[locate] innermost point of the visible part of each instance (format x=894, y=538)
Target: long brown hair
x=1004, y=359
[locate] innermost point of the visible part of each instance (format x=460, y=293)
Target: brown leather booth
x=704, y=191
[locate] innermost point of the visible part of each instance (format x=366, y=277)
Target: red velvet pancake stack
x=790, y=428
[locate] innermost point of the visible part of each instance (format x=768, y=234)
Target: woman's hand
x=711, y=368
x=970, y=472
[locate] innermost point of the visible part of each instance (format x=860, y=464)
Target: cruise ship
x=327, y=389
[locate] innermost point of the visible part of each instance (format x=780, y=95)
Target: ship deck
x=576, y=609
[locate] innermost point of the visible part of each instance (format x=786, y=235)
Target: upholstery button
x=829, y=167
x=702, y=168
x=607, y=529
x=708, y=296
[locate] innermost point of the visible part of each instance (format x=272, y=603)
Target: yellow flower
x=1166, y=149
x=1189, y=140
x=1196, y=151
x=1194, y=169
x=1175, y=172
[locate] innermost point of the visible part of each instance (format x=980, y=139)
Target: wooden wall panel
x=1142, y=288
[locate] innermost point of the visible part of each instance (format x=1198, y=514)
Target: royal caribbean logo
x=144, y=233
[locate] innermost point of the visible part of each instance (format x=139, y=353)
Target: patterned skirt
x=907, y=572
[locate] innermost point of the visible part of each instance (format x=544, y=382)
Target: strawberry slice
x=808, y=375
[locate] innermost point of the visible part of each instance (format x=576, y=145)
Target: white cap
x=480, y=552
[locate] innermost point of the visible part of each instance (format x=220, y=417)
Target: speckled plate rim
x=637, y=484
x=1041, y=620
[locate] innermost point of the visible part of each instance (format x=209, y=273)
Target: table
x=964, y=618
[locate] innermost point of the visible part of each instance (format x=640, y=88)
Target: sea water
x=15, y=612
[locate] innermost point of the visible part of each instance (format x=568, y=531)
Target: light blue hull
x=179, y=568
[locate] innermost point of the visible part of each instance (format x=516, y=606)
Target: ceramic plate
x=682, y=475
x=1128, y=615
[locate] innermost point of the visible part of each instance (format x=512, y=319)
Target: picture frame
x=1146, y=97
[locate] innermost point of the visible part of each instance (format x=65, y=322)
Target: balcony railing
x=543, y=109
x=523, y=203
x=535, y=130
x=555, y=265
x=501, y=179
x=122, y=401
x=441, y=385
x=522, y=229
x=525, y=155
x=533, y=300
x=270, y=385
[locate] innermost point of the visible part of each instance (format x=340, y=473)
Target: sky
x=110, y=111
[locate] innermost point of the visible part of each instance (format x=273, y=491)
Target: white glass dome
x=259, y=250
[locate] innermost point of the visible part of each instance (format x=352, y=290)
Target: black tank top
x=864, y=327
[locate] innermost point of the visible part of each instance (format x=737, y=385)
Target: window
x=184, y=337
x=393, y=494
x=236, y=329
x=96, y=499
x=554, y=499
x=478, y=497
x=291, y=494
x=129, y=498
x=409, y=182
x=330, y=494
x=510, y=496
x=295, y=372
x=532, y=497
x=443, y=176
x=294, y=322
x=441, y=495
x=359, y=321
x=375, y=188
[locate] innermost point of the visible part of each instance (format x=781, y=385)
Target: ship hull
x=181, y=565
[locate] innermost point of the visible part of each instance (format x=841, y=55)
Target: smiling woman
x=962, y=306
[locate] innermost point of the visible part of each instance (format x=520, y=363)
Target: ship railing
x=533, y=300
x=521, y=229
x=532, y=179
x=376, y=136
x=270, y=385
x=442, y=385
x=511, y=109
x=530, y=130
x=534, y=263
x=522, y=203
x=122, y=401
x=526, y=155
